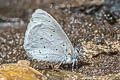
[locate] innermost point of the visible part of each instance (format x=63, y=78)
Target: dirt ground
x=88, y=25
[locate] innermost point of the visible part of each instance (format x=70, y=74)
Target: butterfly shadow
x=77, y=65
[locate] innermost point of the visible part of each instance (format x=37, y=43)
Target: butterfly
x=45, y=40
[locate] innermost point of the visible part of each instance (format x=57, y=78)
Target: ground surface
x=98, y=36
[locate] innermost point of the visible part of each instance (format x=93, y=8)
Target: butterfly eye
x=77, y=50
x=44, y=46
x=56, y=49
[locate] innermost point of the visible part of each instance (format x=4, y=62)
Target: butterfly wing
x=44, y=34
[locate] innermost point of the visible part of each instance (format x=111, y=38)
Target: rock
x=19, y=71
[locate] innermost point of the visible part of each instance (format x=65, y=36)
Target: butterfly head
x=77, y=53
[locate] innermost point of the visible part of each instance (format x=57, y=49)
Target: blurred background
x=19, y=11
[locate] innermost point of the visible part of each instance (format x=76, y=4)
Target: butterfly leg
x=75, y=64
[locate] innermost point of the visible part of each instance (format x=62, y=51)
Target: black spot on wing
x=41, y=38
x=66, y=50
x=39, y=51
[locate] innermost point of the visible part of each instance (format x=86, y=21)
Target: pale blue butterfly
x=45, y=40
